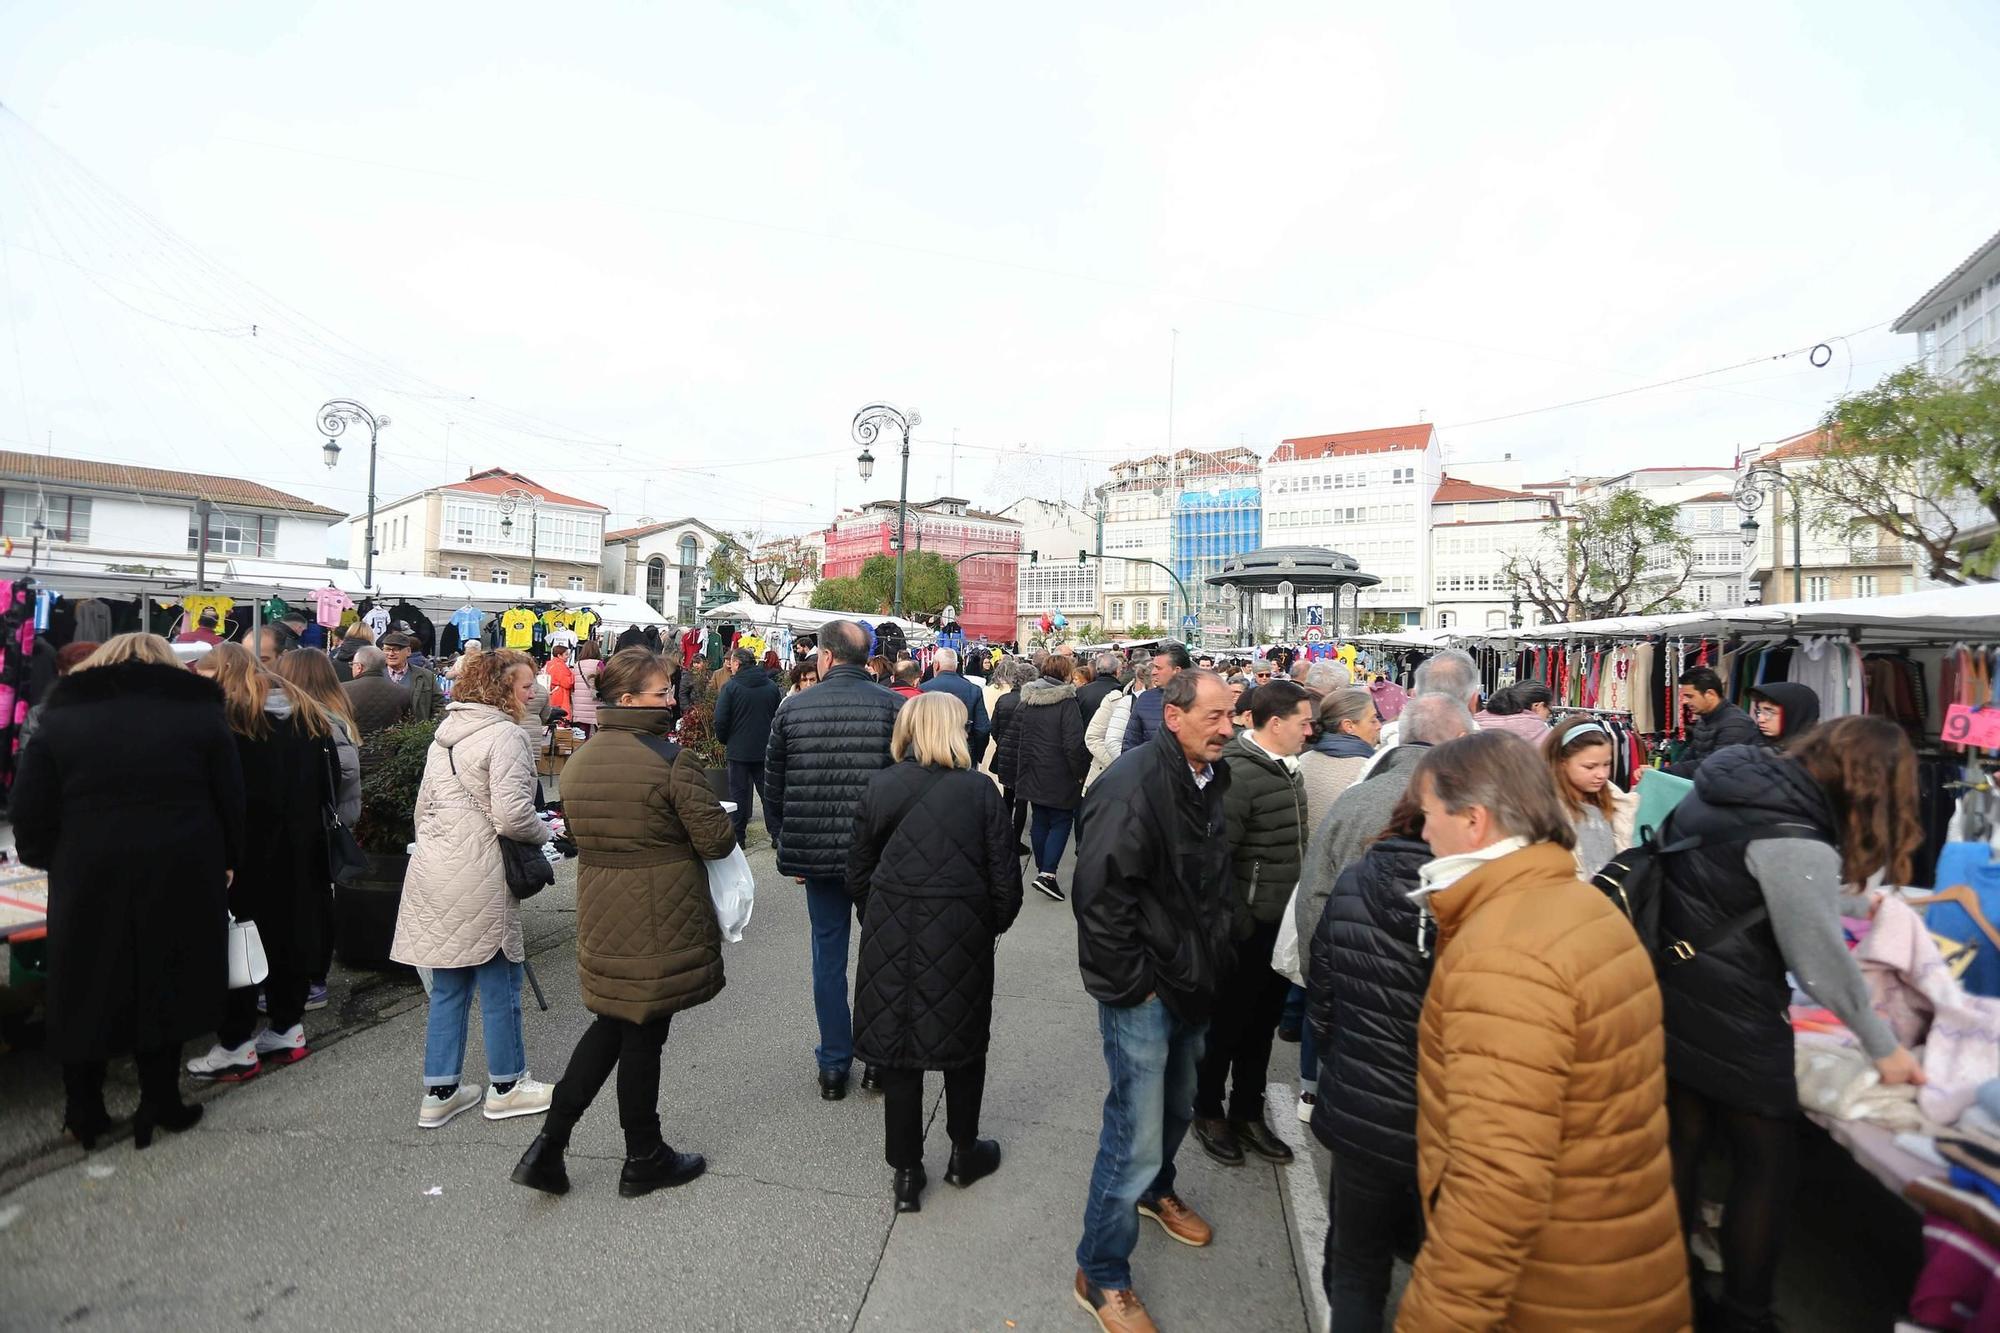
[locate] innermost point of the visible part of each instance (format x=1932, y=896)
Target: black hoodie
x=1800, y=708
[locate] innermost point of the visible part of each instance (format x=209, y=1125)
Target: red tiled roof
x=1809, y=445
x=1454, y=490
x=498, y=480
x=648, y=529
x=1349, y=443
x=154, y=481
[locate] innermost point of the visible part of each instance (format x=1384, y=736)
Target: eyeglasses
x=648, y=694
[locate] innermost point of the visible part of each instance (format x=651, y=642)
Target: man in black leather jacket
x=1153, y=916
x=825, y=744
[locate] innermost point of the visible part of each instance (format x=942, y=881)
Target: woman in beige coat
x=457, y=917
x=647, y=942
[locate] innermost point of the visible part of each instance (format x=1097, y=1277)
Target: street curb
x=1305, y=1209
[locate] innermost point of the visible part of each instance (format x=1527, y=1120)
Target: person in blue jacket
x=1148, y=709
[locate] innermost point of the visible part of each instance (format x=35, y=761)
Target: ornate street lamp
x=1749, y=496
x=333, y=419
x=1514, y=619
x=510, y=500
x=868, y=423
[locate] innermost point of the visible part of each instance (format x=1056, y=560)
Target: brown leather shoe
x=1218, y=1140
x=1178, y=1220
x=1116, y=1310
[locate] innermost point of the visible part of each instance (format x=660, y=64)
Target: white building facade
x=1142, y=503
x=666, y=564
x=479, y=530
x=1960, y=316
x=81, y=516
x=1366, y=494
x=1474, y=531
x=1055, y=580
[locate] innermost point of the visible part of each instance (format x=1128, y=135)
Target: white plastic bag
x=734, y=891
x=1285, y=953
x=247, y=964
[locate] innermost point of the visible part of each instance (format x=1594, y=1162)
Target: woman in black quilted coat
x=1371, y=964
x=932, y=865
x=1051, y=761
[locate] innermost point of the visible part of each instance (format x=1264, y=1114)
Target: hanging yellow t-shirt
x=583, y=622
x=519, y=627
x=554, y=620
x=194, y=606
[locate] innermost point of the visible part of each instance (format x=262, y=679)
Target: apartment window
x=1701, y=592
x=1118, y=613
x=541, y=581
x=576, y=583
x=65, y=518
x=461, y=573
x=1819, y=588
x=235, y=534
x=1866, y=585
x=500, y=576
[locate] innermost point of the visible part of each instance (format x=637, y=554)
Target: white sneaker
x=1307, y=1100
x=225, y=1065
x=526, y=1097
x=283, y=1048
x=439, y=1111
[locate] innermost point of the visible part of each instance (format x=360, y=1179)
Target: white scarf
x=1446, y=871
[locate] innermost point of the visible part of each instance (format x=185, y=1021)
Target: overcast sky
x=658, y=257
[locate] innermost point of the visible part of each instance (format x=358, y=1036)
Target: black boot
x=972, y=1161
x=160, y=1104
x=541, y=1167
x=663, y=1168
x=910, y=1182
x=832, y=1084
x=871, y=1079
x=85, y=1118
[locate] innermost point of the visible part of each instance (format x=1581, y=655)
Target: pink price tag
x=1976, y=727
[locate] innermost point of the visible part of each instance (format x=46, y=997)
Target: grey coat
x=1354, y=822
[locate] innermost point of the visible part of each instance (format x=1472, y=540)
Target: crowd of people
x=1519, y=1093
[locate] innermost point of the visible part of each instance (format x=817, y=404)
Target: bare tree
x=1620, y=556
x=762, y=568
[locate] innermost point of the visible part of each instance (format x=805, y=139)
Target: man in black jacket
x=743, y=713
x=1717, y=722
x=1153, y=917
x=825, y=743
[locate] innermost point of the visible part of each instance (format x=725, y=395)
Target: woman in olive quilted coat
x=647, y=942
x=933, y=865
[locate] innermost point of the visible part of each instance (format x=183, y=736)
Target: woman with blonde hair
x=307, y=672
x=457, y=916
x=137, y=961
x=356, y=637
x=932, y=865
x=285, y=745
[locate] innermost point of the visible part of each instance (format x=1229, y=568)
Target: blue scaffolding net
x=1209, y=528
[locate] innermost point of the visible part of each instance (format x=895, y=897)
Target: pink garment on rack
x=1959, y=1288
x=1917, y=995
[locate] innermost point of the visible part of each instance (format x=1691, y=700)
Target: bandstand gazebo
x=1286, y=571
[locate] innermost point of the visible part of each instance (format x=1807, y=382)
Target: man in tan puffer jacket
x=1542, y=1157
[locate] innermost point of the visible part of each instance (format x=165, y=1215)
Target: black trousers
x=1017, y=811
x=744, y=777
x=1763, y=1175
x=1240, y=1031
x=634, y=1049
x=903, y=1110
x=284, y=1000
x=83, y=1083
x=1376, y=1219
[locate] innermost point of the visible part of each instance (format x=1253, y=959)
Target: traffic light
x=1033, y=556
x=1082, y=557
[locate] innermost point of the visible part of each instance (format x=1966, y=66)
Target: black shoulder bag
x=1636, y=881
x=346, y=863
x=528, y=870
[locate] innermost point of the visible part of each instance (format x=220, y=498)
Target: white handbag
x=247, y=964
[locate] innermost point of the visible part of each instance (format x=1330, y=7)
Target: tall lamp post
x=333, y=419
x=868, y=423
x=512, y=499
x=1749, y=496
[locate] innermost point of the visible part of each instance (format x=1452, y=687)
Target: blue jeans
x=499, y=985
x=1048, y=834
x=1151, y=1056
x=832, y=914
x=1308, y=1059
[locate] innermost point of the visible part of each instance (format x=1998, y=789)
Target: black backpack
x=1636, y=881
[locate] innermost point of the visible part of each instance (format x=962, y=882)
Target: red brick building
x=949, y=527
